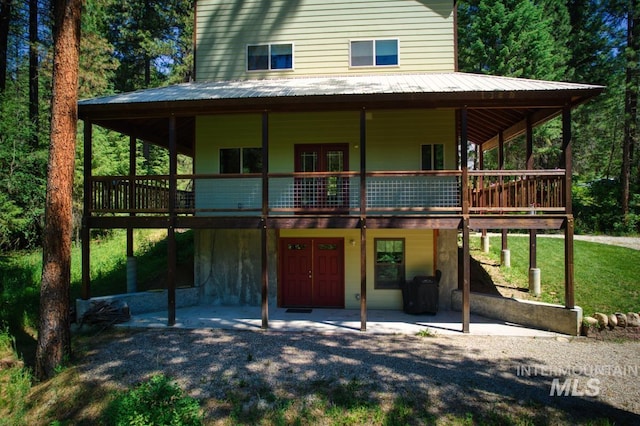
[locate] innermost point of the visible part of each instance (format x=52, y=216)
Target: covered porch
x=489, y=112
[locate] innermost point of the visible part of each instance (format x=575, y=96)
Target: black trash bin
x=420, y=296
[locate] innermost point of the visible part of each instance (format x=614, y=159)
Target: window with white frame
x=433, y=156
x=240, y=160
x=368, y=53
x=272, y=56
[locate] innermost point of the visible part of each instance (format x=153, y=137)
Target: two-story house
x=329, y=142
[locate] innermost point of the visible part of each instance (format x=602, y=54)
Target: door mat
x=298, y=311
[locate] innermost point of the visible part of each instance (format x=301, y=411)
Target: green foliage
x=22, y=172
x=158, y=401
x=15, y=381
x=510, y=38
x=151, y=41
x=596, y=206
x=19, y=290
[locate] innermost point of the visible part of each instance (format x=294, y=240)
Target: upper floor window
x=270, y=57
x=241, y=160
x=433, y=156
x=367, y=53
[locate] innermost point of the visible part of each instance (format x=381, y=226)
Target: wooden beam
x=464, y=159
x=414, y=222
x=529, y=143
x=86, y=230
x=517, y=222
x=314, y=222
x=363, y=275
x=265, y=215
x=566, y=160
x=132, y=190
x=569, y=298
x=171, y=236
x=466, y=276
x=363, y=220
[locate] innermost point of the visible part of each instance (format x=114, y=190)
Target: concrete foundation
x=534, y=281
x=544, y=316
x=484, y=241
x=448, y=264
x=505, y=258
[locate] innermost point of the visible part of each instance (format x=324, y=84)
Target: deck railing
x=389, y=192
x=504, y=191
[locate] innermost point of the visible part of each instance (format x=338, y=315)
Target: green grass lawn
x=607, y=278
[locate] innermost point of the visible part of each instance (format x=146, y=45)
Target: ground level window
x=433, y=157
x=389, y=263
x=241, y=160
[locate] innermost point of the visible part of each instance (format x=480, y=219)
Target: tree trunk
x=33, y=72
x=54, y=335
x=630, y=103
x=5, y=19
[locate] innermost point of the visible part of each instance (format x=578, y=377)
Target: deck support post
x=132, y=285
x=466, y=256
x=466, y=276
x=534, y=271
x=363, y=220
x=265, y=215
x=569, y=297
x=171, y=232
x=86, y=230
x=505, y=254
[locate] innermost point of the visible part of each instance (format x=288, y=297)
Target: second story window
x=270, y=57
x=368, y=53
x=241, y=160
x=433, y=156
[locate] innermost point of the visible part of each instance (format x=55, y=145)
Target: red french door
x=312, y=272
x=324, y=192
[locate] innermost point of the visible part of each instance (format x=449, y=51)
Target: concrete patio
x=331, y=320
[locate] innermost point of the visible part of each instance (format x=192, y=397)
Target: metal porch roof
x=494, y=103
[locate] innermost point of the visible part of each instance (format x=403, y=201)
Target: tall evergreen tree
x=5, y=19
x=507, y=37
x=54, y=333
x=147, y=39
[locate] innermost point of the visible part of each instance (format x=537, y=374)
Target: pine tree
x=54, y=333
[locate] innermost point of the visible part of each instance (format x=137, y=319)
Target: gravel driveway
x=452, y=374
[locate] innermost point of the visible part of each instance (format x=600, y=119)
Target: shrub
x=157, y=401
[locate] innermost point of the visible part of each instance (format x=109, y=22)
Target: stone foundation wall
x=228, y=266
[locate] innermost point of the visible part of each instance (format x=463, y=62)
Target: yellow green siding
x=320, y=31
x=394, y=138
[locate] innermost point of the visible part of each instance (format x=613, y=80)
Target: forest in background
x=142, y=43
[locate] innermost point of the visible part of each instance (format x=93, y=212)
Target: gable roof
x=494, y=103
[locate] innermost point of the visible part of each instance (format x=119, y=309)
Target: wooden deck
x=397, y=194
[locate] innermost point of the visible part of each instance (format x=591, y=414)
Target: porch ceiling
x=494, y=104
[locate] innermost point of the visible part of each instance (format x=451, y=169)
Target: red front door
x=312, y=272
